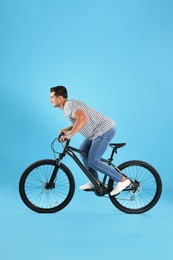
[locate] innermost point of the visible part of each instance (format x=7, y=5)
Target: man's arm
x=81, y=119
x=65, y=130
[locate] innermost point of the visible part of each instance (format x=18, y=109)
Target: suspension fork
x=51, y=184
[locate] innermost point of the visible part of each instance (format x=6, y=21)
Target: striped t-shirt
x=97, y=123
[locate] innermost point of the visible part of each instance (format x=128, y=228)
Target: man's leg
x=97, y=149
x=85, y=146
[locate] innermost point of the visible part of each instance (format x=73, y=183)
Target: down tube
x=87, y=173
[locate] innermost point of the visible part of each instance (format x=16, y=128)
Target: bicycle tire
x=33, y=191
x=148, y=193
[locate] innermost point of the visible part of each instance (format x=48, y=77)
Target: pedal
x=88, y=190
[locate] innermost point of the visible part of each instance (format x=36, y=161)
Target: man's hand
x=64, y=138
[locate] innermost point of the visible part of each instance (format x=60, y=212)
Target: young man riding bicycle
x=98, y=131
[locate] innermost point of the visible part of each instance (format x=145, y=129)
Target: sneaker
x=120, y=186
x=87, y=186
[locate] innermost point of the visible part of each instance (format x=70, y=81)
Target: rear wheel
x=143, y=194
x=36, y=192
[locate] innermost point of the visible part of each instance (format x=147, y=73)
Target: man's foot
x=87, y=186
x=120, y=186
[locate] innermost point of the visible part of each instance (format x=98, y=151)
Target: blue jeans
x=95, y=149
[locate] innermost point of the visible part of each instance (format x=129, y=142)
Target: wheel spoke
x=37, y=195
x=146, y=195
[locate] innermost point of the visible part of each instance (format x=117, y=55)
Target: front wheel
x=36, y=192
x=143, y=193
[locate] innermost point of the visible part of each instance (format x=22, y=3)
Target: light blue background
x=117, y=56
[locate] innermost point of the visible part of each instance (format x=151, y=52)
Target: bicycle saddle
x=117, y=145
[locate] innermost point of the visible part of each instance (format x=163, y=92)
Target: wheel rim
x=145, y=196
x=37, y=192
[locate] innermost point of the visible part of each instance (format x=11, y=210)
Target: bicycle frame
x=70, y=151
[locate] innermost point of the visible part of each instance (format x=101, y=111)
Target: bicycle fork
x=51, y=183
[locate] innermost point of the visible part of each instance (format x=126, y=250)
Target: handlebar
x=59, y=137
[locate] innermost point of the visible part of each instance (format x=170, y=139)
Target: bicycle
x=48, y=185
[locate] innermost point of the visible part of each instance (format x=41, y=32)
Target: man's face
x=56, y=101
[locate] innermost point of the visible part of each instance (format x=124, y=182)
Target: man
x=98, y=131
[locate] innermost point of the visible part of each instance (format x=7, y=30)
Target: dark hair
x=59, y=91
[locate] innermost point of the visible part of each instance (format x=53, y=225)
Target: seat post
x=114, y=150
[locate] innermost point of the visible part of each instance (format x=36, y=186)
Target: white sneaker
x=120, y=186
x=87, y=186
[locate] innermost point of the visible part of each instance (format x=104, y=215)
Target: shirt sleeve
x=71, y=109
x=74, y=108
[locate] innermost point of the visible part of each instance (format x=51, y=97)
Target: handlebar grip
x=61, y=134
x=59, y=137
